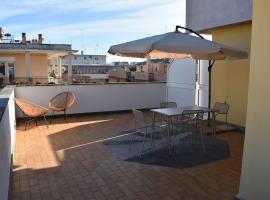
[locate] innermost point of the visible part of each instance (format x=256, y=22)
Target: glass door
x=7, y=68
x=2, y=68
x=11, y=69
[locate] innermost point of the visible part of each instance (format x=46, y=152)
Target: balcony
x=70, y=161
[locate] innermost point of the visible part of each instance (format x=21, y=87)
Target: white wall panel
x=181, y=82
x=99, y=98
x=202, y=84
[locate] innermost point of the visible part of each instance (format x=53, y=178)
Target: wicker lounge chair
x=31, y=111
x=62, y=102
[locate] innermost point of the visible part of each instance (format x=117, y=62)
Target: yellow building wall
x=39, y=64
x=230, y=77
x=255, y=177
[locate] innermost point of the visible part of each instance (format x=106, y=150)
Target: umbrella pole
x=210, y=66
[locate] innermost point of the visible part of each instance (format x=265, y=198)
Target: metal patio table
x=169, y=113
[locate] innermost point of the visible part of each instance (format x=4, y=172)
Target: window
x=2, y=68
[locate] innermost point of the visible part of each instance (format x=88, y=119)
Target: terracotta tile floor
x=66, y=161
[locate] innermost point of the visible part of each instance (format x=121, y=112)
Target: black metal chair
x=145, y=128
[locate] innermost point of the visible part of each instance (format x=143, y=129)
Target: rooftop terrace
x=69, y=161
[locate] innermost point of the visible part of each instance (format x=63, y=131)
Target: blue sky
x=91, y=25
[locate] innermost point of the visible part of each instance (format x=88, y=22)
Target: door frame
x=8, y=60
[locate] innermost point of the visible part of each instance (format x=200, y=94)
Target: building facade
x=24, y=59
x=255, y=176
x=244, y=84
x=151, y=70
x=85, y=60
x=228, y=22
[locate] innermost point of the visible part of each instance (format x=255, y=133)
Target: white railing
x=98, y=98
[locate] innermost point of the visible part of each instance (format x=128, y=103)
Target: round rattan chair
x=62, y=102
x=31, y=111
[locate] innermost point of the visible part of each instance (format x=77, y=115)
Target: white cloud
x=142, y=23
x=57, y=6
x=143, y=19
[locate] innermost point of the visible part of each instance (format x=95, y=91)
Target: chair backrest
x=168, y=105
x=221, y=108
x=139, y=119
x=200, y=114
x=63, y=100
x=199, y=117
x=30, y=109
x=188, y=116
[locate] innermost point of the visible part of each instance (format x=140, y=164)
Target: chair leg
x=152, y=137
x=214, y=134
x=51, y=117
x=25, y=124
x=202, y=139
x=130, y=142
x=46, y=122
x=65, y=116
x=141, y=151
x=226, y=120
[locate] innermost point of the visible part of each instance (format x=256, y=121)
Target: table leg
x=169, y=133
x=214, y=128
x=154, y=119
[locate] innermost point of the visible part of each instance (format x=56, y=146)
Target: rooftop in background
x=9, y=44
x=29, y=46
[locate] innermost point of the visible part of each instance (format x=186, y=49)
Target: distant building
x=88, y=64
x=121, y=64
x=151, y=70
x=85, y=60
x=89, y=68
x=30, y=59
x=120, y=75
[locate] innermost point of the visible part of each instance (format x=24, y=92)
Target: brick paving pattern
x=68, y=161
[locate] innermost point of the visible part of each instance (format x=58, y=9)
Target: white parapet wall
x=98, y=98
x=7, y=138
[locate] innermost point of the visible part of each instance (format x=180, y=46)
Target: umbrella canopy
x=177, y=45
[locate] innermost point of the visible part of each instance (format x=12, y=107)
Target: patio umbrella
x=179, y=45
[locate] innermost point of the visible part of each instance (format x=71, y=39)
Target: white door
x=202, y=89
x=181, y=82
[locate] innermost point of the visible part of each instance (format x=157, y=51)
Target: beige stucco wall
x=230, y=78
x=39, y=64
x=255, y=178
x=19, y=62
